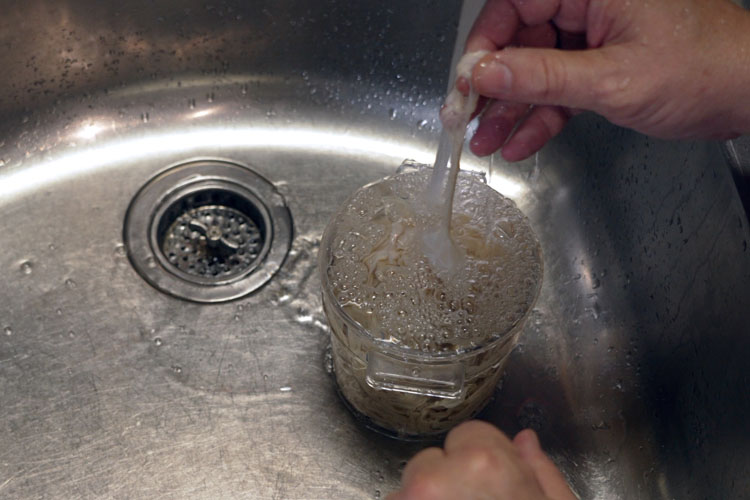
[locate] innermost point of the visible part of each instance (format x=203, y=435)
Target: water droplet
x=144, y=117
x=177, y=369
x=71, y=334
x=27, y=267
x=421, y=124
x=265, y=377
x=596, y=310
x=70, y=283
x=120, y=250
x=150, y=262
x=59, y=312
x=304, y=318
x=210, y=97
x=244, y=89
x=286, y=388
x=191, y=103
x=8, y=331
x=377, y=493
x=51, y=246
x=328, y=361
x=392, y=114
x=158, y=342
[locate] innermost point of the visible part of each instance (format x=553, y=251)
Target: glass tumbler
x=420, y=376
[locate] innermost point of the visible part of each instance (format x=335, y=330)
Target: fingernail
x=492, y=76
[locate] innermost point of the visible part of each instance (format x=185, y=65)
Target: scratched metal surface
x=632, y=367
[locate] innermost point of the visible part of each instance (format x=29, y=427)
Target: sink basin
x=632, y=367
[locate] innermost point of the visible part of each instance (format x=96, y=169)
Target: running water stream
x=455, y=116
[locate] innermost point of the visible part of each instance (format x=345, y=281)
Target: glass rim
x=400, y=351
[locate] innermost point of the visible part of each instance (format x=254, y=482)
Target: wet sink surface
x=632, y=367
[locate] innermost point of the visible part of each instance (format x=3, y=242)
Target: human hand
x=479, y=463
x=668, y=68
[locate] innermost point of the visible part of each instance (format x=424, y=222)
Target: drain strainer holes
x=213, y=234
x=212, y=240
x=216, y=230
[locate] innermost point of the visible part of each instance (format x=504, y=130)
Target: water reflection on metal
x=114, y=153
x=110, y=154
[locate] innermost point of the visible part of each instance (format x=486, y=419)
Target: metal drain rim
x=176, y=182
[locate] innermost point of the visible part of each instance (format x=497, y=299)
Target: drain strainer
x=208, y=231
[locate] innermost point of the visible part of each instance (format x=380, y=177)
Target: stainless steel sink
x=633, y=367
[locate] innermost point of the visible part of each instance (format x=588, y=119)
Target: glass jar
x=417, y=350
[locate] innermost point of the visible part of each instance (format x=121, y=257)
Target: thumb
x=580, y=79
x=549, y=477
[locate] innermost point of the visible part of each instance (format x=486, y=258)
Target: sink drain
x=208, y=231
x=213, y=234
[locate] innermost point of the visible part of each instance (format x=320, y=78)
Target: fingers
x=533, y=12
x=477, y=434
x=479, y=461
x=542, y=35
x=549, y=477
x=495, y=27
x=463, y=85
x=425, y=460
x=428, y=476
x=499, y=21
x=571, y=16
x=576, y=79
x=542, y=124
x=500, y=118
x=535, y=129
x=495, y=126
x=481, y=105
x=489, y=463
